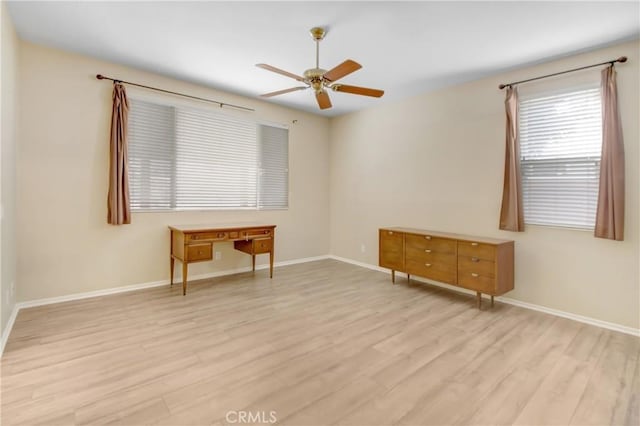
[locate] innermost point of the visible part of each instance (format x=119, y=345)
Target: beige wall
x=436, y=162
x=9, y=95
x=64, y=243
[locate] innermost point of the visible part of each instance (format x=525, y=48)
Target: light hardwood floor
x=322, y=343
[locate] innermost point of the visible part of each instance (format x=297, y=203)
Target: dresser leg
x=184, y=278
x=393, y=276
x=172, y=268
x=479, y=299
x=408, y=279
x=492, y=301
x=253, y=262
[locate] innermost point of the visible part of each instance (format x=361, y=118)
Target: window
x=183, y=158
x=560, y=146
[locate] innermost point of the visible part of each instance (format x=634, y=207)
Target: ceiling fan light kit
x=319, y=79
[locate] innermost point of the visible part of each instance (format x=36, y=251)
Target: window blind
x=151, y=156
x=183, y=158
x=560, y=148
x=274, y=167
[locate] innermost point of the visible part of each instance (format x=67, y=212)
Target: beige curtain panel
x=119, y=211
x=511, y=213
x=610, y=209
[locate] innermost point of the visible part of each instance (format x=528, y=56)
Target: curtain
x=511, y=213
x=610, y=209
x=119, y=212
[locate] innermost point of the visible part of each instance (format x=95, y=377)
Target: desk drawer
x=256, y=233
x=199, y=252
x=262, y=245
x=207, y=236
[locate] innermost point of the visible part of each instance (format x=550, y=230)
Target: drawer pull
x=474, y=244
x=220, y=235
x=427, y=251
x=390, y=232
x=475, y=259
x=199, y=251
x=195, y=237
x=428, y=237
x=428, y=265
x=266, y=231
x=473, y=274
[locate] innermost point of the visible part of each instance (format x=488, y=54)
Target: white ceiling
x=405, y=48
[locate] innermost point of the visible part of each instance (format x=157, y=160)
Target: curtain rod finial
x=100, y=76
x=622, y=59
x=502, y=86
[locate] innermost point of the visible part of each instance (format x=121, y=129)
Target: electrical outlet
x=218, y=255
x=363, y=248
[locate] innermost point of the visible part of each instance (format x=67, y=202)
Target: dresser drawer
x=434, y=271
x=199, y=252
x=476, y=282
x=430, y=256
x=391, y=249
x=262, y=245
x=436, y=244
x=207, y=236
x=476, y=265
x=479, y=250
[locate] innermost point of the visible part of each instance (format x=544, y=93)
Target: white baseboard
x=8, y=328
x=571, y=316
x=134, y=287
x=510, y=301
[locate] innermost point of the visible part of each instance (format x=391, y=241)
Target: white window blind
x=560, y=147
x=183, y=158
x=274, y=167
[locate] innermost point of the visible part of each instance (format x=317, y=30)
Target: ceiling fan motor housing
x=313, y=77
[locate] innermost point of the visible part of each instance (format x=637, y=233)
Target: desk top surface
x=203, y=227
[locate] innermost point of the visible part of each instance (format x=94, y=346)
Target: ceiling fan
x=320, y=79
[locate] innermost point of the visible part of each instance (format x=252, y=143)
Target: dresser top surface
x=450, y=235
x=204, y=227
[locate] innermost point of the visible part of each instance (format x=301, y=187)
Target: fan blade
x=364, y=91
x=323, y=99
x=279, y=71
x=345, y=68
x=282, y=92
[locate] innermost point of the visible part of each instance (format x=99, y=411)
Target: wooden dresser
x=484, y=265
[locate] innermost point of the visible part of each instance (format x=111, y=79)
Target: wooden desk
x=194, y=243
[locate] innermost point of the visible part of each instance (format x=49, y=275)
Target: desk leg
x=172, y=267
x=479, y=299
x=184, y=277
x=393, y=276
x=271, y=264
x=253, y=262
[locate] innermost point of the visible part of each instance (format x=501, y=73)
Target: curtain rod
x=621, y=59
x=102, y=77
